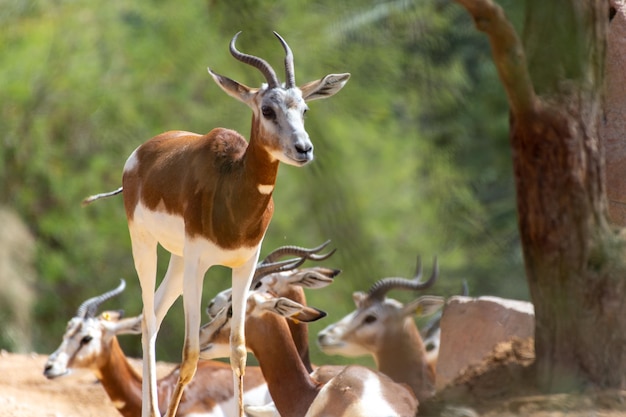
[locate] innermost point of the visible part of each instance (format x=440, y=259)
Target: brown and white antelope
x=384, y=328
x=90, y=342
x=353, y=391
x=207, y=199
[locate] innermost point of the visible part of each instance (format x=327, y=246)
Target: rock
x=472, y=327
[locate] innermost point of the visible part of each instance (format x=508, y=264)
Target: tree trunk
x=613, y=124
x=574, y=260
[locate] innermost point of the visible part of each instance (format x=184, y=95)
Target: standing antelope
x=207, y=199
x=384, y=328
x=90, y=342
x=353, y=391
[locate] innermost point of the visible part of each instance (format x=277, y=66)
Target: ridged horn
x=381, y=287
x=290, y=250
x=89, y=307
x=266, y=268
x=258, y=63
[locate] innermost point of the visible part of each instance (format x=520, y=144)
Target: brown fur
x=176, y=174
x=212, y=384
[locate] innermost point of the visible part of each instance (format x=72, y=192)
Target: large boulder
x=472, y=327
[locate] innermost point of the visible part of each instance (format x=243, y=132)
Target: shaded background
x=412, y=156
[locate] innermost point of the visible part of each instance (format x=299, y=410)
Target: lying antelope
x=90, y=342
x=353, y=391
x=384, y=328
x=288, y=283
x=207, y=199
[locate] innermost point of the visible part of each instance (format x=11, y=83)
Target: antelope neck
x=403, y=359
x=299, y=331
x=288, y=381
x=121, y=381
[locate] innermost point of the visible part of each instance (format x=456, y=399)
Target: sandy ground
x=25, y=392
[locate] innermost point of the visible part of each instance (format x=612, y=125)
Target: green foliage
x=412, y=156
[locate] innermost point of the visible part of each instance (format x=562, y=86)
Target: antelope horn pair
x=263, y=66
x=381, y=287
x=271, y=264
x=89, y=307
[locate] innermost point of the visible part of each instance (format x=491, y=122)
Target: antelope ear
x=317, y=277
x=307, y=315
x=111, y=316
x=358, y=297
x=290, y=309
x=324, y=88
x=234, y=89
x=423, y=306
x=131, y=325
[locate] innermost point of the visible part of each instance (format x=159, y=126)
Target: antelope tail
x=95, y=197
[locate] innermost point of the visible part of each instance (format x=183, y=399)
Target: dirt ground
x=484, y=390
x=25, y=392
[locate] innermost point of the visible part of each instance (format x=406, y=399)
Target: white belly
x=169, y=232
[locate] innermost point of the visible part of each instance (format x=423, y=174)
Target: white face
x=276, y=282
x=81, y=345
x=281, y=114
x=361, y=332
x=215, y=335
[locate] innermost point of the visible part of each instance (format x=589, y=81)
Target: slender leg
x=145, y=258
x=242, y=278
x=192, y=299
x=170, y=288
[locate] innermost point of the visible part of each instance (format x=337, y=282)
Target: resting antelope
x=384, y=328
x=90, y=342
x=207, y=199
x=289, y=283
x=354, y=391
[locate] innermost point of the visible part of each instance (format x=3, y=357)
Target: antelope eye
x=369, y=319
x=268, y=112
x=86, y=340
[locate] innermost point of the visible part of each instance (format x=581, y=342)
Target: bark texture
x=613, y=125
x=574, y=259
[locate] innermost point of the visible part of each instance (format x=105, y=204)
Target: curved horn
x=310, y=254
x=89, y=307
x=256, y=62
x=290, y=75
x=384, y=285
x=265, y=268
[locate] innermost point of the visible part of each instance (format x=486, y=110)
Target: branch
x=508, y=53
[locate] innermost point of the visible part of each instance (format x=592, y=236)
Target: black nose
x=47, y=369
x=304, y=147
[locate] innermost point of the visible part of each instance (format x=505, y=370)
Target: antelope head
x=87, y=336
x=279, y=109
x=377, y=318
x=214, y=336
x=278, y=277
